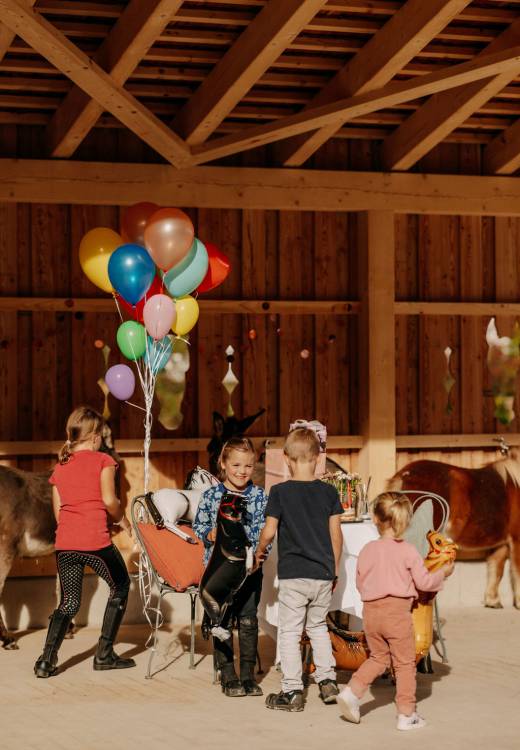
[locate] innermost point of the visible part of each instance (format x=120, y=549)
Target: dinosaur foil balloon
x=171, y=385
x=441, y=551
x=503, y=361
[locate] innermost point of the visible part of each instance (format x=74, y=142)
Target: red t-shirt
x=83, y=515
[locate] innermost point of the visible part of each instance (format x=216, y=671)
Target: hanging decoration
x=503, y=361
x=230, y=380
x=448, y=380
x=151, y=269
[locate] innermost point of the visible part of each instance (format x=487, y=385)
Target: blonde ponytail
x=394, y=509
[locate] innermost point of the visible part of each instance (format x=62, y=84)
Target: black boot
x=248, y=642
x=46, y=666
x=106, y=657
x=231, y=685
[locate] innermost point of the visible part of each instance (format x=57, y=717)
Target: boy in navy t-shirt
x=306, y=514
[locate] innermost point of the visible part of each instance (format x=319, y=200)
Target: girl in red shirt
x=84, y=501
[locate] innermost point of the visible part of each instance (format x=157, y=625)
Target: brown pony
x=484, y=511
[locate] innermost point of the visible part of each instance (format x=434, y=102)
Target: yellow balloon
x=187, y=309
x=95, y=250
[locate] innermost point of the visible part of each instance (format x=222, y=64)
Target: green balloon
x=131, y=339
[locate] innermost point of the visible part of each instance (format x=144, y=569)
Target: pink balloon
x=159, y=315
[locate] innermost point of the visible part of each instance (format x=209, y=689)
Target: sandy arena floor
x=471, y=703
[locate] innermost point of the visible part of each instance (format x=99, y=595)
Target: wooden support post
x=377, y=457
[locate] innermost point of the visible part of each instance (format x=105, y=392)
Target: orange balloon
x=133, y=221
x=168, y=236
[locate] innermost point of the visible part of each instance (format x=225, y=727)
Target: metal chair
x=178, y=572
x=417, y=498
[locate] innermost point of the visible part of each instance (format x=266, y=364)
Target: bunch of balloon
x=155, y=269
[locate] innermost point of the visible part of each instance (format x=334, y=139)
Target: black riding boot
x=46, y=666
x=231, y=685
x=248, y=642
x=105, y=657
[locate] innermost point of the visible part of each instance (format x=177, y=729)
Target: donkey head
x=225, y=428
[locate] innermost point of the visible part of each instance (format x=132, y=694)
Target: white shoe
x=349, y=705
x=404, y=723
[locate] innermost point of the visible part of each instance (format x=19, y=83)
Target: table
x=346, y=596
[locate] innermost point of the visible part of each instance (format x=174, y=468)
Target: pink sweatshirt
x=393, y=567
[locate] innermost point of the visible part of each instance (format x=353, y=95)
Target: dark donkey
x=484, y=511
x=27, y=523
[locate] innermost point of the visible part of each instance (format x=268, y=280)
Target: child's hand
x=448, y=569
x=212, y=536
x=259, y=559
x=125, y=524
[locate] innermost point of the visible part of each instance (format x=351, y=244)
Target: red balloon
x=134, y=221
x=218, y=270
x=136, y=313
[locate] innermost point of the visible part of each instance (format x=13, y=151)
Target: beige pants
x=390, y=637
x=304, y=603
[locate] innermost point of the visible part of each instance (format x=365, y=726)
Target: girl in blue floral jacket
x=236, y=463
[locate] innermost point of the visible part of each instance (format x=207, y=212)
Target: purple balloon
x=120, y=381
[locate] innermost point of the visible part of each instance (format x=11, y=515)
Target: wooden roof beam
x=138, y=27
x=446, y=111
x=502, y=155
x=7, y=36
x=84, y=72
x=381, y=58
x=336, y=113
x=262, y=42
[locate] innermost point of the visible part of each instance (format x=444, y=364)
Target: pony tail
x=65, y=452
x=395, y=509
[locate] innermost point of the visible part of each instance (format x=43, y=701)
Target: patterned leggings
x=107, y=563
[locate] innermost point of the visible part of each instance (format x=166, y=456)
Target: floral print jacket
x=206, y=516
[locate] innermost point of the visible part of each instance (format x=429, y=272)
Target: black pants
x=107, y=563
x=243, y=611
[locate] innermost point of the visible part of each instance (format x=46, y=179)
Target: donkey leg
x=6, y=560
x=495, y=561
x=515, y=570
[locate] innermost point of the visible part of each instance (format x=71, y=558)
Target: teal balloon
x=131, y=272
x=131, y=339
x=158, y=353
x=186, y=276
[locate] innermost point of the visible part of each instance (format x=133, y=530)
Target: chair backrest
x=178, y=563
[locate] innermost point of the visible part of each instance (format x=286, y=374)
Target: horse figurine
x=229, y=565
x=27, y=523
x=484, y=511
x=169, y=506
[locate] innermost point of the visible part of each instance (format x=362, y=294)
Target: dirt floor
x=471, y=703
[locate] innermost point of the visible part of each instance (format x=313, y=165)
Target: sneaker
x=292, y=701
x=349, y=705
x=328, y=691
x=404, y=723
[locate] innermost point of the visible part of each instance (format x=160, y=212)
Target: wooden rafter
x=339, y=111
x=408, y=31
x=251, y=55
x=444, y=112
x=502, y=155
x=7, y=36
x=96, y=183
x=73, y=63
x=123, y=49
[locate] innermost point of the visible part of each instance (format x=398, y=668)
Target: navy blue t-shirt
x=303, y=510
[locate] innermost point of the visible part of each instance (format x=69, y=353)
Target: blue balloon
x=131, y=272
x=158, y=353
x=183, y=278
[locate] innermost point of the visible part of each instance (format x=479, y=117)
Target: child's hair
x=241, y=443
x=82, y=423
x=302, y=444
x=395, y=509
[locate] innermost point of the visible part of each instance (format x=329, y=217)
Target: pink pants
x=390, y=637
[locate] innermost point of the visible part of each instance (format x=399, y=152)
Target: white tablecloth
x=345, y=597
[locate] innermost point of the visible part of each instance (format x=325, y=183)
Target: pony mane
x=508, y=468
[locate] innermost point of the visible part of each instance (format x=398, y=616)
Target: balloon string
x=135, y=405
x=118, y=308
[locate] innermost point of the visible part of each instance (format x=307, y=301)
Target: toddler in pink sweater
x=390, y=572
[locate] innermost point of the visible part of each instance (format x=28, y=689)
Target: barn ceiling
x=202, y=80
